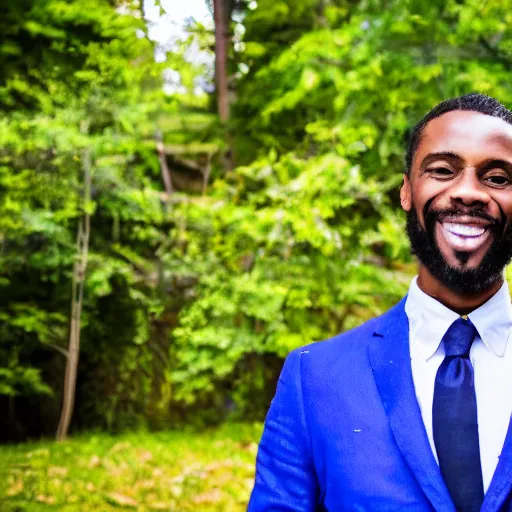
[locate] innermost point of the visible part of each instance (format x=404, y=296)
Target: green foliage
x=52, y=51
x=110, y=81
x=274, y=274
x=305, y=240
x=193, y=299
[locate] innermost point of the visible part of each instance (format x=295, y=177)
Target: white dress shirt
x=490, y=355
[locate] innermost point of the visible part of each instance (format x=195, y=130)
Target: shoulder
x=348, y=350
x=349, y=341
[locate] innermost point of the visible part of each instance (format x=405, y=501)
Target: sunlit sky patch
x=170, y=27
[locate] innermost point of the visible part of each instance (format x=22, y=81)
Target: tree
x=306, y=238
x=77, y=293
x=199, y=281
x=222, y=38
x=115, y=86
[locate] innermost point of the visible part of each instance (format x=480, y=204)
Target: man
x=411, y=410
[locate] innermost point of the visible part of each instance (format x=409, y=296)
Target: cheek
x=502, y=206
x=427, y=195
x=433, y=193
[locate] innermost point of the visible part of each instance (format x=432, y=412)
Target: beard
x=463, y=281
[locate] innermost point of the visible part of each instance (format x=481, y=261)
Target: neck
x=461, y=304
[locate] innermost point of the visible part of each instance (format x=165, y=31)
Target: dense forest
x=170, y=229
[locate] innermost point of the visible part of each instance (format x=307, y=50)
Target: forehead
x=471, y=135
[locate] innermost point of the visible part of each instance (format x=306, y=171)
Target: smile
x=463, y=236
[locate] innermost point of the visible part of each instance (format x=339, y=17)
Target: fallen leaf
x=122, y=499
x=159, y=505
x=15, y=488
x=247, y=466
x=213, y=496
x=144, y=455
x=42, y=498
x=57, y=471
x=94, y=462
x=43, y=452
x=213, y=466
x=251, y=448
x=146, y=484
x=119, y=447
x=176, y=490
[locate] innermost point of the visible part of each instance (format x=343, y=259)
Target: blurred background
x=188, y=191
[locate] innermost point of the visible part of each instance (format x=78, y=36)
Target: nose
x=469, y=190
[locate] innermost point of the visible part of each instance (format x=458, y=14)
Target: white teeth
x=464, y=237
x=463, y=229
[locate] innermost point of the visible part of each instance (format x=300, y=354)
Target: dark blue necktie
x=455, y=421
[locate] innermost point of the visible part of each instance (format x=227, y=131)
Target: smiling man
x=411, y=410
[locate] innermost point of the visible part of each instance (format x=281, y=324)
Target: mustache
x=477, y=213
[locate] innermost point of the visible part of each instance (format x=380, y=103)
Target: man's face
x=459, y=200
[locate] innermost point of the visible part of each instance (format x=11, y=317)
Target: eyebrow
x=502, y=139
x=449, y=155
x=498, y=164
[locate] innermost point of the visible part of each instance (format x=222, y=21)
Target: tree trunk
x=221, y=59
x=79, y=268
x=206, y=172
x=164, y=168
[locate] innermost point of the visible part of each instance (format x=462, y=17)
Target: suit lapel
x=501, y=482
x=391, y=365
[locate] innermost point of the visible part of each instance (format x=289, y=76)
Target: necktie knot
x=459, y=337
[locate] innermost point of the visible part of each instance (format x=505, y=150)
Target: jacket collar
x=501, y=482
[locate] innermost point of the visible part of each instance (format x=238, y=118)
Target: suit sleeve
x=285, y=476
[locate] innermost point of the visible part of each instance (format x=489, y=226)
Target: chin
x=467, y=283
x=463, y=261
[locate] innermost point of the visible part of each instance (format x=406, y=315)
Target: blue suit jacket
x=344, y=431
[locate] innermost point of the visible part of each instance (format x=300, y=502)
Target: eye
x=498, y=179
x=440, y=171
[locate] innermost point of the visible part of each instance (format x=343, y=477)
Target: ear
x=405, y=194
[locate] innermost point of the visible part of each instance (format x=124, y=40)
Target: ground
x=171, y=471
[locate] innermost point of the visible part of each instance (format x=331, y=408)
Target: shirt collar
x=429, y=320
x=493, y=321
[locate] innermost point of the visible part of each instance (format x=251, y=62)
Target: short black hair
x=473, y=102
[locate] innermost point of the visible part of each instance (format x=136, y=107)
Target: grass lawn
x=172, y=471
